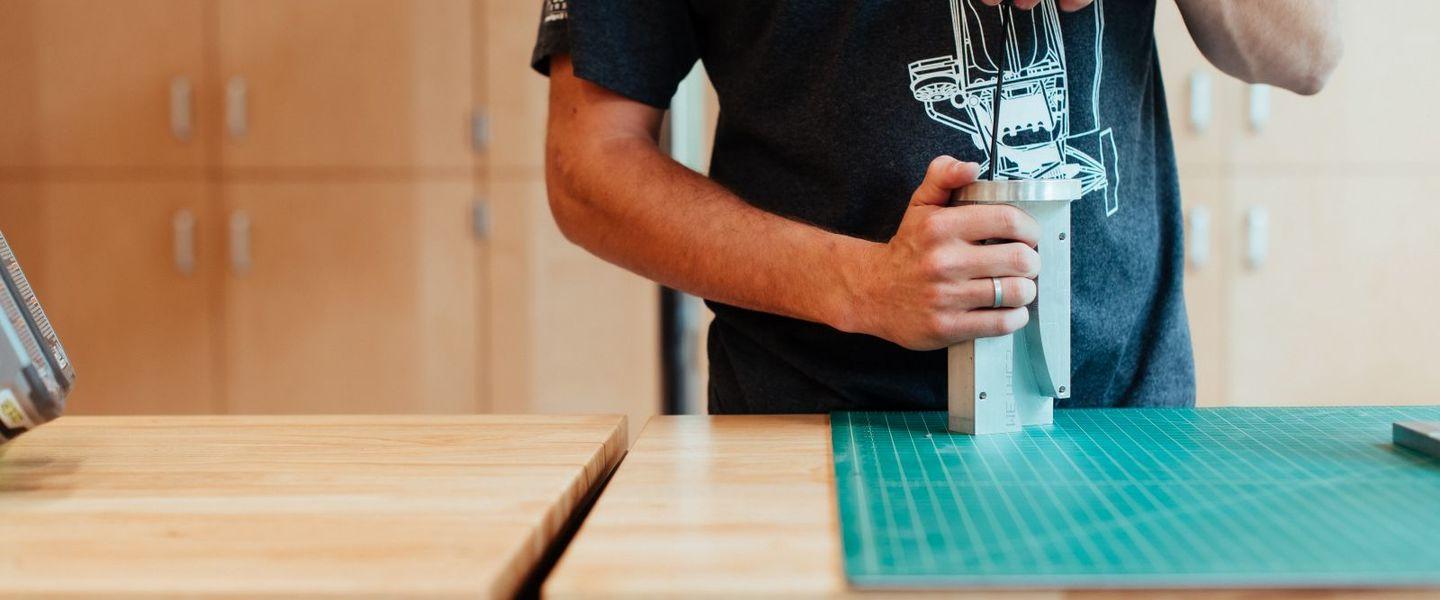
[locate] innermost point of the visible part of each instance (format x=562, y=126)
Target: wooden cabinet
x=127, y=274
x=1336, y=309
x=572, y=334
x=320, y=155
x=1318, y=207
x=103, y=83
x=355, y=297
x=346, y=84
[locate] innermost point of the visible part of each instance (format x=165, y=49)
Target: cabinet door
x=346, y=83
x=351, y=298
x=571, y=333
x=103, y=83
x=1337, y=310
x=126, y=272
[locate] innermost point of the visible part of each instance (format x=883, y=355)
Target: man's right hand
x=930, y=286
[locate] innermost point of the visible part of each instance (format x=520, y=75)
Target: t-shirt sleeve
x=554, y=36
x=640, y=49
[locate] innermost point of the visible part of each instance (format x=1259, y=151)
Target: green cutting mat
x=1229, y=497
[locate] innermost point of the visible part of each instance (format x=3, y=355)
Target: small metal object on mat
x=1417, y=436
x=35, y=373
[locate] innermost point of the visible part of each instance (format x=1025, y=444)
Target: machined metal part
x=35, y=372
x=1001, y=384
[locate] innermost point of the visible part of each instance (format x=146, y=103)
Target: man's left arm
x=1293, y=44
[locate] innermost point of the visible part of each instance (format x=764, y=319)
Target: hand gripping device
x=1000, y=384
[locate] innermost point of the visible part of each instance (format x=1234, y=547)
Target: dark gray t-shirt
x=830, y=111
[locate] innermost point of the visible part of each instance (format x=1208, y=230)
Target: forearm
x=1294, y=44
x=626, y=202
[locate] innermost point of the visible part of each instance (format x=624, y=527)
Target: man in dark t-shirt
x=821, y=237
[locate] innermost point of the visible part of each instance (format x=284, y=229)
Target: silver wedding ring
x=999, y=293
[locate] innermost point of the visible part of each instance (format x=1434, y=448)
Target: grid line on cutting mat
x=1223, y=497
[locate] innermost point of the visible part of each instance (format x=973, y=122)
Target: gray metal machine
x=35, y=373
x=1000, y=384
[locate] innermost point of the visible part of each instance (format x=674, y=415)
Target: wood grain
x=740, y=506
x=248, y=506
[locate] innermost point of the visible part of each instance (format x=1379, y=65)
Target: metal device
x=35, y=373
x=1000, y=384
x=1420, y=436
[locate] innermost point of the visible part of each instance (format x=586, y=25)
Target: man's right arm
x=613, y=192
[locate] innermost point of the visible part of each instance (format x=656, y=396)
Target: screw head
x=1062, y=389
x=982, y=395
x=1062, y=236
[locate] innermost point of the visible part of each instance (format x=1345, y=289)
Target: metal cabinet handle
x=236, y=109
x=182, y=115
x=184, y=241
x=1257, y=237
x=1201, y=107
x=1259, y=107
x=1197, y=239
x=240, y=242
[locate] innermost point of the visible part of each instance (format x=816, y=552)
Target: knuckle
x=937, y=326
x=934, y=227
x=935, y=265
x=933, y=297
x=1024, y=259
x=1010, y=219
x=938, y=166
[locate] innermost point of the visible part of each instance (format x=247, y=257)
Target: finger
x=1015, y=292
x=987, y=323
x=1026, y=4
x=990, y=2
x=1000, y=260
x=1074, y=5
x=976, y=223
x=944, y=175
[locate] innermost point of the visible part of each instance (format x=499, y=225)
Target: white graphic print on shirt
x=1036, y=140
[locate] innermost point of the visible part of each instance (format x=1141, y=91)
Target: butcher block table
x=249, y=506
x=743, y=505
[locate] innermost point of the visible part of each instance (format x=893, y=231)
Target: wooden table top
x=739, y=505
x=245, y=506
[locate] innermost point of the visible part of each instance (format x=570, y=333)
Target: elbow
x=1324, y=54
x=1314, y=79
x=565, y=207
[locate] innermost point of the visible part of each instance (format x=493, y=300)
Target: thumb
x=944, y=175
